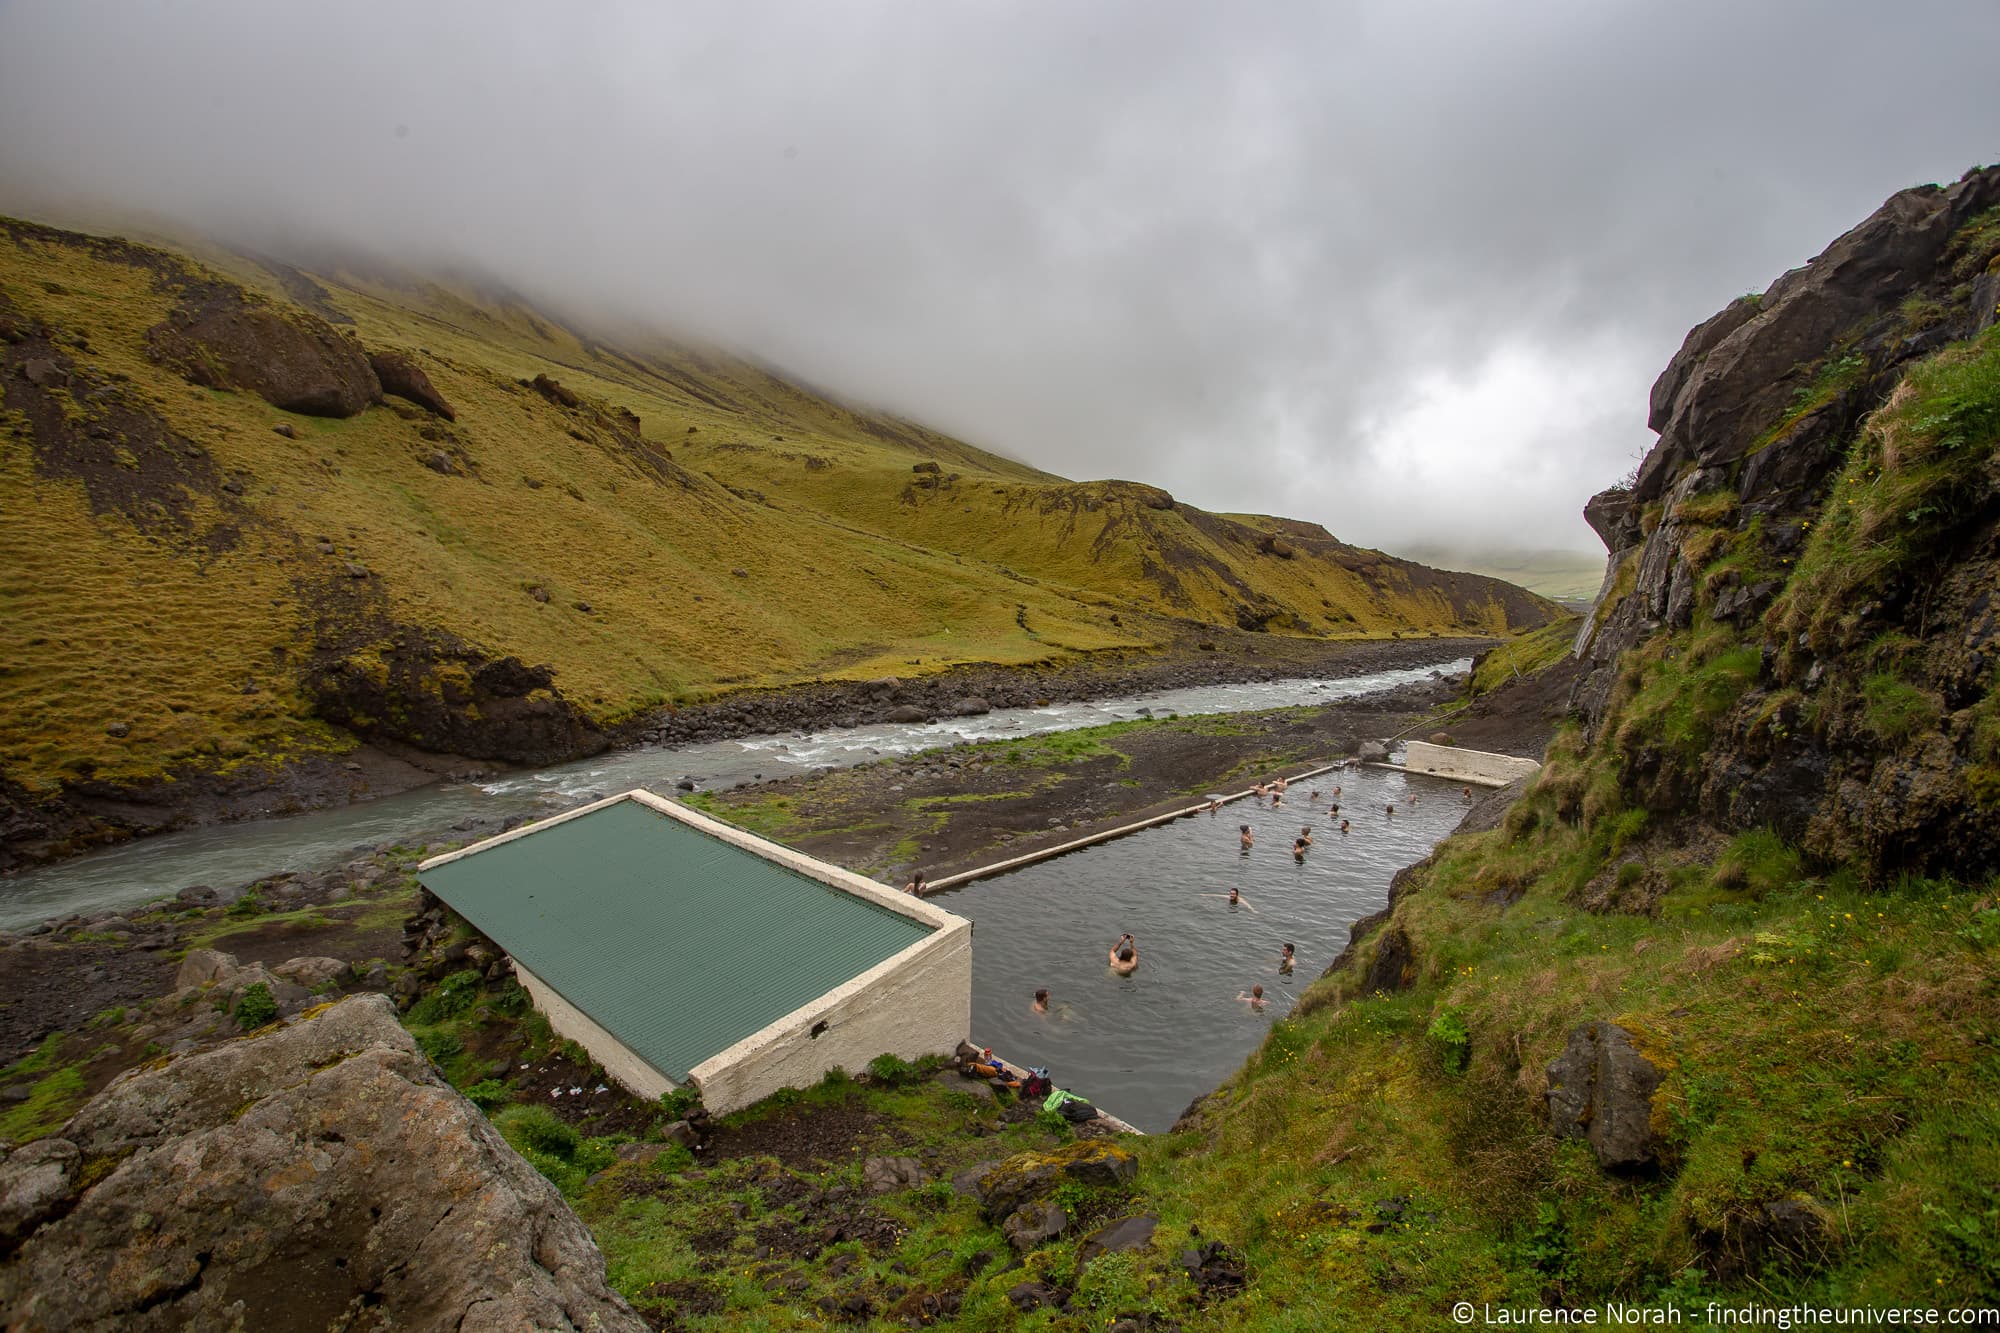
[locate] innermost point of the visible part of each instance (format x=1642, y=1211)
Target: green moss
x=1523, y=656
x=1897, y=711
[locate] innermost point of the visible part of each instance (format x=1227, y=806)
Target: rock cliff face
x=317, y=1175
x=1812, y=542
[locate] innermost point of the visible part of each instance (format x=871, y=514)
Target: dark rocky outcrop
x=405, y=379
x=292, y=1180
x=290, y=359
x=432, y=692
x=1758, y=413
x=1601, y=1089
x=1030, y=1177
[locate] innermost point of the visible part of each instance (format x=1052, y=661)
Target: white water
x=225, y=855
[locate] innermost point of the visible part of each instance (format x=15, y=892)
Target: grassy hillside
x=184, y=565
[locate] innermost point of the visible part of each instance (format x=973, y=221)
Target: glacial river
x=225, y=855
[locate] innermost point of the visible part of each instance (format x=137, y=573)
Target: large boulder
x=300, y=1179
x=290, y=359
x=405, y=379
x=1601, y=1089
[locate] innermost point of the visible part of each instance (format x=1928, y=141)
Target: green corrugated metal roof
x=677, y=943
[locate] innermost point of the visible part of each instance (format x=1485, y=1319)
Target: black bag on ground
x=1076, y=1111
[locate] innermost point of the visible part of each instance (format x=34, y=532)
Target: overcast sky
x=1403, y=268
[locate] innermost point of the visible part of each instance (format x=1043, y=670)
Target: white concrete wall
x=627, y=1070
x=1448, y=761
x=917, y=1003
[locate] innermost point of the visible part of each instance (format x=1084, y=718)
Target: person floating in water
x=1343, y=826
x=1235, y=898
x=1124, y=956
x=1465, y=794
x=1336, y=793
x=1313, y=796
x=1333, y=811
x=1042, y=1000
x=1285, y=961
x=1391, y=809
x=1244, y=837
x=1255, y=999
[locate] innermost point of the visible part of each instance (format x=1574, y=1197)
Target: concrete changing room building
x=677, y=949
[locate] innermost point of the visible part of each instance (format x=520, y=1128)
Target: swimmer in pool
x=1255, y=999
x=1235, y=898
x=1285, y=961
x=1124, y=956
x=1281, y=785
x=1306, y=834
x=1042, y=1000
x=1391, y=809
x=1336, y=793
x=1343, y=826
x=1313, y=796
x=1244, y=837
x=916, y=885
x=1277, y=799
x=1465, y=794
x=1213, y=806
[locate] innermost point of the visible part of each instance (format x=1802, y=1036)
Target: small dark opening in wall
x=817, y=1028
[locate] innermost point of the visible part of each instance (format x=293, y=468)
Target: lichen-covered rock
x=1027, y=1177
x=310, y=972
x=1601, y=1089
x=299, y=1179
x=36, y=1181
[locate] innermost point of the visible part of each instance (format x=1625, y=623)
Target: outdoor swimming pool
x=1146, y=1045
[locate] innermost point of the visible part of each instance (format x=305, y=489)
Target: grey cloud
x=1253, y=253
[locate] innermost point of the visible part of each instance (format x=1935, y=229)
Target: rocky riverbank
x=40, y=828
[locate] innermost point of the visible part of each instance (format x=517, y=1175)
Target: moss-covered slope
x=1710, y=1015
x=531, y=539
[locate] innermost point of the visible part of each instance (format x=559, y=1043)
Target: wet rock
x=971, y=706
x=1601, y=1089
x=337, y=1172
x=405, y=379
x=1372, y=752
x=1127, y=1233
